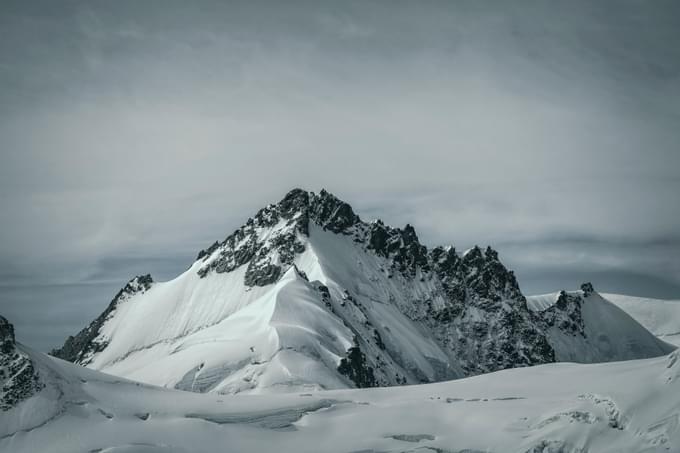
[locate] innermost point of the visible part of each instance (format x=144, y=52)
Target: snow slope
x=599, y=331
x=661, y=317
x=631, y=406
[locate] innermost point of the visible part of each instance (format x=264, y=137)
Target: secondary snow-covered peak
x=585, y=327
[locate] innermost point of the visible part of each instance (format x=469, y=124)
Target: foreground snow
x=629, y=406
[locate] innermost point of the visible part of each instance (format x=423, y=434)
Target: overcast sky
x=133, y=134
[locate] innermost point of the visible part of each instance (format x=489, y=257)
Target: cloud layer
x=132, y=135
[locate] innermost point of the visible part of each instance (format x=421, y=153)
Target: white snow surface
x=610, y=333
x=659, y=316
x=631, y=406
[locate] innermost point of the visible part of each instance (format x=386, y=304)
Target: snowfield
x=631, y=406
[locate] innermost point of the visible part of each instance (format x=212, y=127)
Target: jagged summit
x=287, y=223
x=307, y=295
x=269, y=241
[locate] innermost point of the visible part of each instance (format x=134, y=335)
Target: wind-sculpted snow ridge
x=623, y=407
x=306, y=295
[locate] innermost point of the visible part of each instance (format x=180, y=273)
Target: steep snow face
x=625, y=407
x=91, y=340
x=281, y=339
x=17, y=375
x=661, y=317
x=306, y=295
x=584, y=327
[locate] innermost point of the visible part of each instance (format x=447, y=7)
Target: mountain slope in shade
x=594, y=329
x=661, y=317
x=631, y=406
x=306, y=295
x=18, y=378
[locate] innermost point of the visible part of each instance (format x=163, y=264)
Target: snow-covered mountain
x=659, y=316
x=623, y=407
x=587, y=328
x=306, y=295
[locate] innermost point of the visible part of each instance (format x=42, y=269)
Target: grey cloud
x=133, y=134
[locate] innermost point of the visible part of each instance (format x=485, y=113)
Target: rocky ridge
x=18, y=378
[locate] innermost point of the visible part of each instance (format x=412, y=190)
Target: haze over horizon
x=132, y=135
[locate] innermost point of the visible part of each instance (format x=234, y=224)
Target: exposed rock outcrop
x=18, y=378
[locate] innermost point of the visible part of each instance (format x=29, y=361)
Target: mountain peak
x=304, y=285
x=324, y=208
x=269, y=242
x=331, y=213
x=297, y=200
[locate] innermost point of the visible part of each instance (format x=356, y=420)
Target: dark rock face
x=17, y=375
x=208, y=251
x=478, y=286
x=566, y=313
x=331, y=213
x=448, y=266
x=355, y=367
x=6, y=336
x=269, y=258
x=86, y=343
x=587, y=289
x=400, y=246
x=488, y=278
